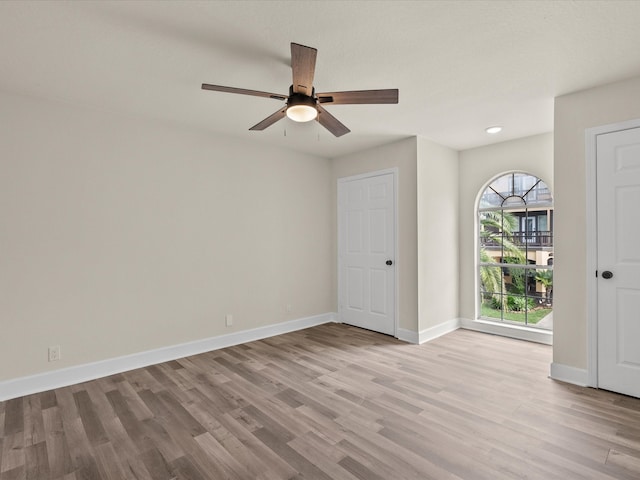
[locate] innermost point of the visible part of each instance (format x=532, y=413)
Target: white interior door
x=618, y=244
x=366, y=251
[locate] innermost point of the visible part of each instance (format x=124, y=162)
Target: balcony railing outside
x=541, y=238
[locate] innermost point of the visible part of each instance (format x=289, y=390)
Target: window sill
x=530, y=334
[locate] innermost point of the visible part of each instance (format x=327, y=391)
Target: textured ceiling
x=460, y=65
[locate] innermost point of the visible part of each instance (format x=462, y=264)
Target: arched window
x=515, y=258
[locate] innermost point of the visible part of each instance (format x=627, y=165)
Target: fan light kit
x=301, y=108
x=303, y=105
x=302, y=113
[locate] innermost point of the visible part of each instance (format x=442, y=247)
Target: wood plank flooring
x=329, y=402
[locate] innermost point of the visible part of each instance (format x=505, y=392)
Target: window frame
x=531, y=213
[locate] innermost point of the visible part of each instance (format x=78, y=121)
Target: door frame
x=396, y=253
x=591, y=138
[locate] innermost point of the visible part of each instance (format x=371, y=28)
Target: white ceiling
x=460, y=66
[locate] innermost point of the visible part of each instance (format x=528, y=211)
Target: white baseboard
x=568, y=374
x=42, y=382
x=513, y=331
x=429, y=334
x=408, y=336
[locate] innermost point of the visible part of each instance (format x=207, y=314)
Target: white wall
x=120, y=234
x=478, y=166
x=437, y=190
x=573, y=114
x=401, y=154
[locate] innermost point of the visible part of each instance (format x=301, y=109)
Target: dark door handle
x=389, y=262
x=607, y=274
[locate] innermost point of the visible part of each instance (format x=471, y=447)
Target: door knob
x=607, y=274
x=389, y=262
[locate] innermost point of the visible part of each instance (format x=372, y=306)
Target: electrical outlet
x=288, y=307
x=54, y=353
x=228, y=319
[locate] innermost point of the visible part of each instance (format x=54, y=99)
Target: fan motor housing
x=301, y=99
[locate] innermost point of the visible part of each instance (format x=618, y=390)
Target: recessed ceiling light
x=494, y=129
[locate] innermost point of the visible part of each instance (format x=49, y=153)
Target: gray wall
x=438, y=235
x=122, y=234
x=402, y=155
x=574, y=113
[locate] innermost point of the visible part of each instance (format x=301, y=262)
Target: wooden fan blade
x=270, y=120
x=303, y=64
x=330, y=122
x=359, y=96
x=243, y=91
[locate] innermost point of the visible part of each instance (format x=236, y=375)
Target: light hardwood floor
x=330, y=402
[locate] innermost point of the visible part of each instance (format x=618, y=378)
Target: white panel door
x=618, y=219
x=366, y=248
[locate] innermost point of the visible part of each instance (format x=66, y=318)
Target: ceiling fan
x=303, y=104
